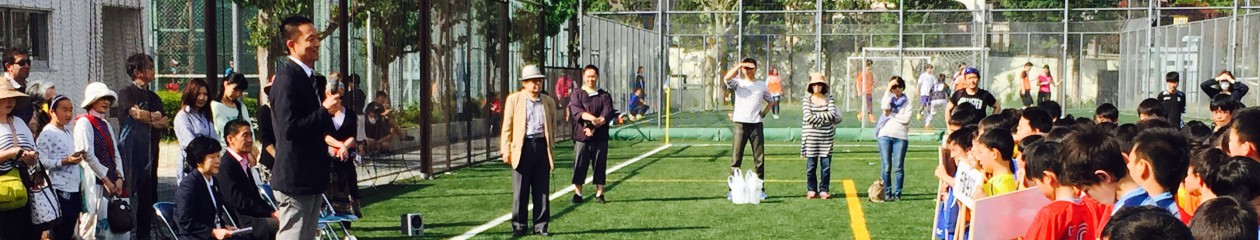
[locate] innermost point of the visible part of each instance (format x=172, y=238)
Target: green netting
x=771, y=134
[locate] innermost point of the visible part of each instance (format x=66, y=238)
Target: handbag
x=120, y=216
x=45, y=207
x=13, y=192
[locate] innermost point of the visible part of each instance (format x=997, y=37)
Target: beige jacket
x=512, y=138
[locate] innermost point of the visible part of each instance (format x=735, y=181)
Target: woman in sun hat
x=817, y=130
x=94, y=136
x=17, y=156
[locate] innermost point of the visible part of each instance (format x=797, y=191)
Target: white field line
x=554, y=196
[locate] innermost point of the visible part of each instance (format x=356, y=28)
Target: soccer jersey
x=1067, y=219
x=1163, y=200
x=1132, y=198
x=1189, y=203
x=999, y=184
x=1098, y=212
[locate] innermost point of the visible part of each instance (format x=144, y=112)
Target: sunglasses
x=24, y=63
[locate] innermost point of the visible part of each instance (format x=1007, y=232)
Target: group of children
x=1153, y=179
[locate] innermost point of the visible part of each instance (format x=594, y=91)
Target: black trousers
x=593, y=154
x=745, y=133
x=71, y=206
x=531, y=182
x=16, y=224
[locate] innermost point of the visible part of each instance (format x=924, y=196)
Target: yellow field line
x=855, y=212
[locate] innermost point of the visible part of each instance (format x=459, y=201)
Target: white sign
x=1006, y=216
x=967, y=181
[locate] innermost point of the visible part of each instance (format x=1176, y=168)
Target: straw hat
x=7, y=91
x=817, y=78
x=531, y=72
x=95, y=91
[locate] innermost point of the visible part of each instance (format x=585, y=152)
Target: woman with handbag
x=57, y=156
x=105, y=196
x=16, y=155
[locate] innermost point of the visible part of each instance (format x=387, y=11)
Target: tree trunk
x=264, y=71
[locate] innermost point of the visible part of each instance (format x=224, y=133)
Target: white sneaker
x=776, y=116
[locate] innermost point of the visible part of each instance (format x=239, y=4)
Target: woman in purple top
x=593, y=109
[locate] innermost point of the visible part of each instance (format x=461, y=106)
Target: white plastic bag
x=738, y=187
x=753, y=184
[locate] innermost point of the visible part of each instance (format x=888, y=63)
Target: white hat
x=96, y=91
x=530, y=72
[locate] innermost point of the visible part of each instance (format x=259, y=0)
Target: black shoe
x=516, y=233
x=542, y=233
x=408, y=138
x=600, y=198
x=577, y=198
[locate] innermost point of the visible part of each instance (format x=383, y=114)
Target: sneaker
x=763, y=195
x=810, y=195
x=577, y=198
x=729, y=196
x=600, y=199
x=776, y=116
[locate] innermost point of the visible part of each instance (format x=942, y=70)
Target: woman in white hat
x=17, y=154
x=193, y=119
x=817, y=130
x=94, y=136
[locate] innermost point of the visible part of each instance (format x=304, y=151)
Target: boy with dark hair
x=1034, y=121
x=1157, y=163
x=963, y=118
x=1224, y=218
x=1223, y=108
x=1150, y=108
x=1055, y=110
x=1144, y=222
x=1094, y=162
x=954, y=153
x=1106, y=112
x=1237, y=176
x=994, y=150
x=995, y=122
x=1194, y=190
x=1197, y=132
x=1244, y=134
x=1173, y=101
x=1065, y=218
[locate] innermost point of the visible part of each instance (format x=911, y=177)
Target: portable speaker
x=412, y=224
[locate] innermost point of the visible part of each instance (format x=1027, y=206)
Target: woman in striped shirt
x=817, y=129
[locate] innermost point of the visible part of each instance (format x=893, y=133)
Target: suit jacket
x=512, y=138
x=300, y=123
x=194, y=211
x=239, y=192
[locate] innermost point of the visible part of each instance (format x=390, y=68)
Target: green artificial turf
x=678, y=193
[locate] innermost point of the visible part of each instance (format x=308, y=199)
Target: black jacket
x=194, y=210
x=300, y=123
x=239, y=192
x=1211, y=87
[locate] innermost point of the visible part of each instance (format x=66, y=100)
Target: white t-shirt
x=926, y=81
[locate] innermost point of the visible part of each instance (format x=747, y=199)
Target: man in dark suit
x=237, y=185
x=300, y=119
x=198, y=204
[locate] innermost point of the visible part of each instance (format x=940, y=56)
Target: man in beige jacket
x=525, y=144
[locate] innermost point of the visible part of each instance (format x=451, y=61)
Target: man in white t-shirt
x=926, y=81
x=749, y=94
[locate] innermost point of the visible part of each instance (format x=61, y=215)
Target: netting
x=909, y=63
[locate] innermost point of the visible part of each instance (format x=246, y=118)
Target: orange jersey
x=865, y=81
x=774, y=85
x=1062, y=220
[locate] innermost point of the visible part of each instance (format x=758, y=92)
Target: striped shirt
x=8, y=140
x=748, y=99
x=818, y=127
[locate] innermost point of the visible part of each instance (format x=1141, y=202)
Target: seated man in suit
x=238, y=187
x=197, y=203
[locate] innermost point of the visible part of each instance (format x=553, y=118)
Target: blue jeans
x=892, y=155
x=812, y=183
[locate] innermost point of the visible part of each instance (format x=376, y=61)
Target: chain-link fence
x=1091, y=51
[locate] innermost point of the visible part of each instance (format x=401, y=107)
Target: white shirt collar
x=303, y=65
x=12, y=81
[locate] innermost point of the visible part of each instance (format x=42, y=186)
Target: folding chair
x=329, y=216
x=166, y=211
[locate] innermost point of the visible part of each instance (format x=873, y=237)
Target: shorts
x=870, y=107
